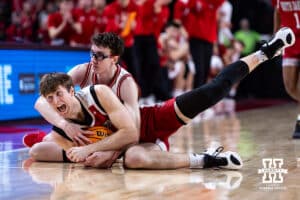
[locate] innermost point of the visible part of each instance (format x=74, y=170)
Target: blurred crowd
x=170, y=46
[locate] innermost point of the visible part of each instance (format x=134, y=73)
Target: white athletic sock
x=232, y=92
x=261, y=56
x=196, y=160
x=177, y=92
x=298, y=117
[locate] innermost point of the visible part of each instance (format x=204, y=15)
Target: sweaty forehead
x=58, y=89
x=96, y=49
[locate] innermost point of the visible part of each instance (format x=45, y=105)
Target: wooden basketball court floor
x=256, y=134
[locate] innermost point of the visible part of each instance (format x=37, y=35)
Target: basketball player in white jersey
x=102, y=69
x=97, y=105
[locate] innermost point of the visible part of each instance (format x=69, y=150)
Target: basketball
x=99, y=133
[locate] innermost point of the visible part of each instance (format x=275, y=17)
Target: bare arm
x=55, y=31
x=129, y=95
x=48, y=113
x=126, y=133
x=277, y=22
x=78, y=73
x=179, y=52
x=67, y=18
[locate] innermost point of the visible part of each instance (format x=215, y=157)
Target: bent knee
x=45, y=151
x=135, y=158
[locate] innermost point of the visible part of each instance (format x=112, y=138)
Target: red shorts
x=159, y=122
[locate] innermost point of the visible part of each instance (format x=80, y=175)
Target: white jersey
x=90, y=78
x=95, y=115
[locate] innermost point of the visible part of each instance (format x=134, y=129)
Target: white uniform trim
x=119, y=77
x=290, y=62
x=161, y=145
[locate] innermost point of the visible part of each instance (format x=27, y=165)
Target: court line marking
x=14, y=150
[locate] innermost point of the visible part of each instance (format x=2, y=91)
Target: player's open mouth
x=62, y=108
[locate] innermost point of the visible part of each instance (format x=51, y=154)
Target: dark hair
x=111, y=41
x=50, y=82
x=173, y=24
x=60, y=1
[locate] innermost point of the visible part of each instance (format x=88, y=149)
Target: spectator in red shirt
x=63, y=25
x=200, y=20
x=161, y=19
x=120, y=16
x=145, y=46
x=99, y=6
x=42, y=32
x=21, y=28
x=17, y=5
x=87, y=17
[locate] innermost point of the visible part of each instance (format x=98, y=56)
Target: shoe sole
x=285, y=35
x=296, y=136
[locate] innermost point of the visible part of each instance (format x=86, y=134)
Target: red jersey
x=145, y=18
x=182, y=14
x=200, y=18
x=68, y=33
x=161, y=20
x=88, y=21
x=158, y=122
x=120, y=20
x=289, y=12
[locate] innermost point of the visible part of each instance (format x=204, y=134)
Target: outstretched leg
x=192, y=103
x=149, y=156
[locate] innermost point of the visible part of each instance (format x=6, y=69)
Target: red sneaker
x=30, y=139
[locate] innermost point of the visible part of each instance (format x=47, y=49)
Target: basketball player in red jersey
x=287, y=13
x=158, y=122
x=102, y=69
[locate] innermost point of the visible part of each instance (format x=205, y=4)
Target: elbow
x=37, y=105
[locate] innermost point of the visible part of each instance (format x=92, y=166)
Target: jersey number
x=297, y=20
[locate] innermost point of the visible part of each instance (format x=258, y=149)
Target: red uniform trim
x=120, y=83
x=86, y=75
x=114, y=79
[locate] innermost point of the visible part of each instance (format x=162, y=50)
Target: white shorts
x=286, y=62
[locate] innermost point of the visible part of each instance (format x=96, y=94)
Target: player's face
x=61, y=100
x=101, y=59
x=173, y=32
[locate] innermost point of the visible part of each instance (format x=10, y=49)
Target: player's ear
x=115, y=59
x=72, y=90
